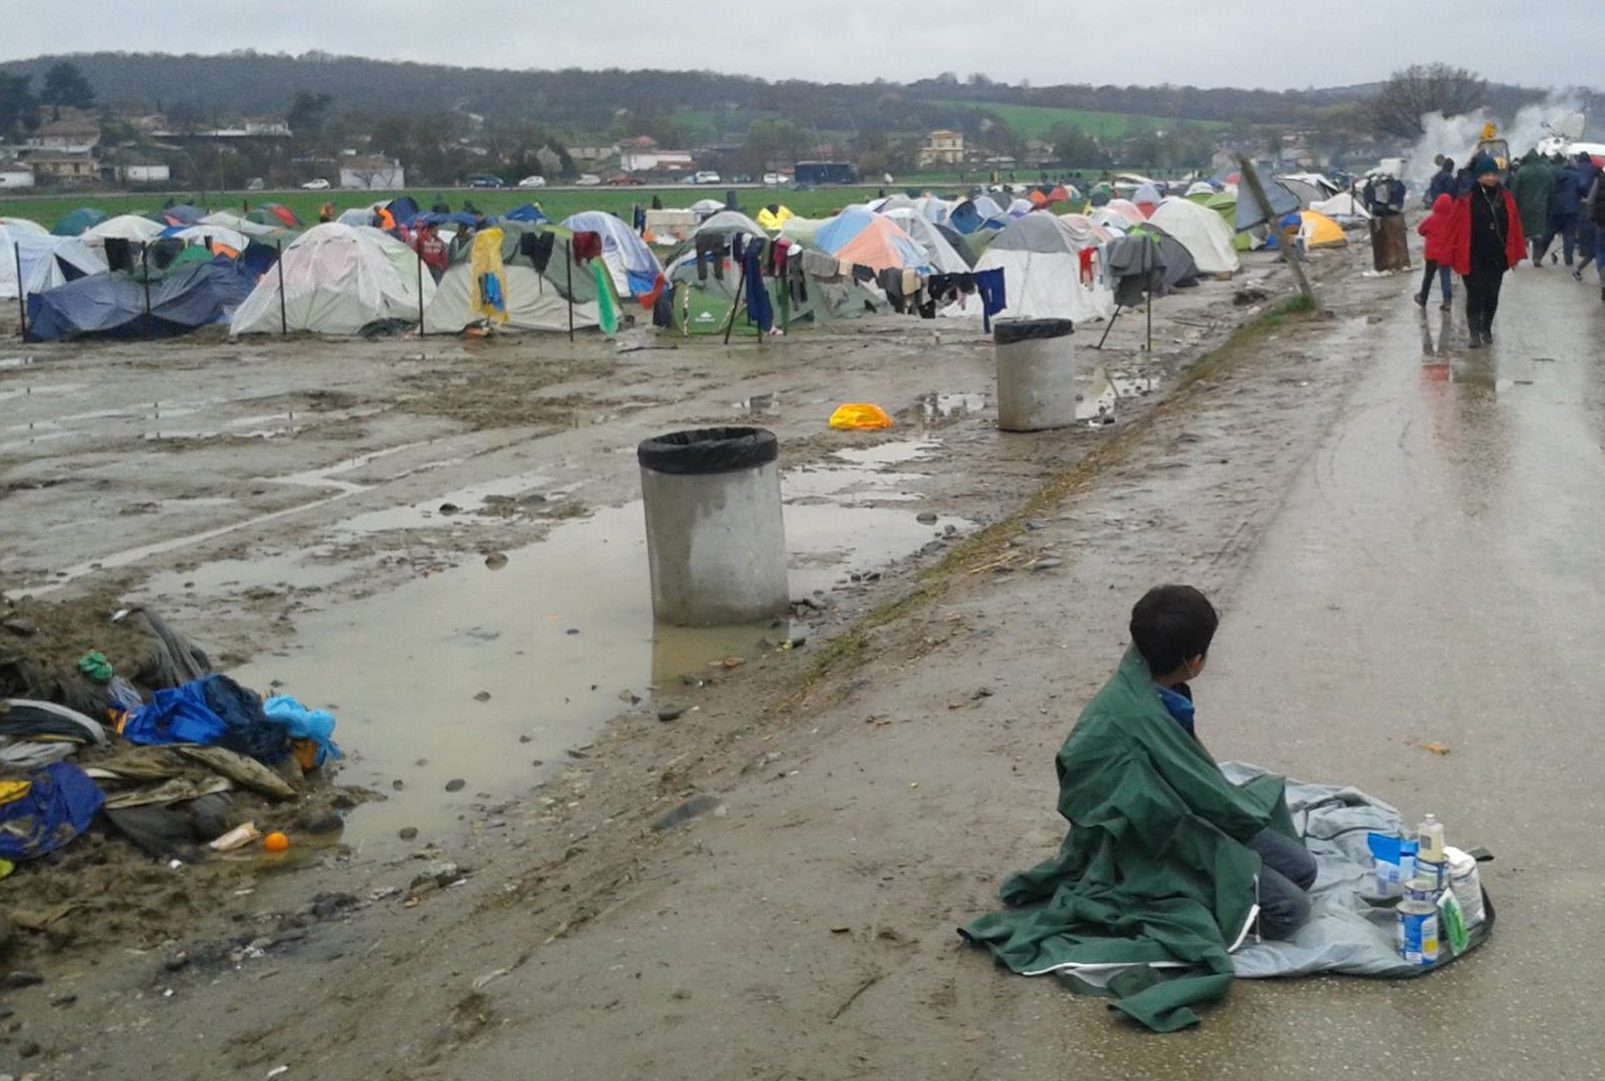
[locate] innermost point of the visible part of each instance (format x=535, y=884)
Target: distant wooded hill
x=704, y=105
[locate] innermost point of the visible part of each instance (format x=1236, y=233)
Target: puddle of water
x=948, y=406
x=282, y=570
x=428, y=515
x=145, y=551
x=559, y=638
x=325, y=477
x=759, y=405
x=39, y=390
x=855, y=474
x=891, y=453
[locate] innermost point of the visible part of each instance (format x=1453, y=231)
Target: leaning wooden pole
x=22, y=292
x=1284, y=237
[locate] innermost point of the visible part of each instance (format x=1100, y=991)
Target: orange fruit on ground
x=276, y=842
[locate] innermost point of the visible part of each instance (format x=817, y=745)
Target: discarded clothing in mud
x=59, y=805
x=214, y=711
x=23, y=718
x=180, y=831
x=242, y=770
x=171, y=791
x=173, y=659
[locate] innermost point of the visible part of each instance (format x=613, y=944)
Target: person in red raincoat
x=1437, y=256
x=1485, y=240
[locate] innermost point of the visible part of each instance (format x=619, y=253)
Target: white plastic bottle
x=1429, y=840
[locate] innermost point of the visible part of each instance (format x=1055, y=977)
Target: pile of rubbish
x=136, y=757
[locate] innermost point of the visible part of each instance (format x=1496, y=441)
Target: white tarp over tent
x=123, y=227
x=1344, y=209
x=217, y=234
x=47, y=261
x=239, y=224
x=533, y=303
x=945, y=259
x=1040, y=256
x=337, y=279
x=1203, y=232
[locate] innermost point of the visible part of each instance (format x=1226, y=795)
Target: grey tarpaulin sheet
x=1346, y=932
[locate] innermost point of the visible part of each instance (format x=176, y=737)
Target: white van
x=705, y=178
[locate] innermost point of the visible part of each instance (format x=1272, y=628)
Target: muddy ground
x=437, y=539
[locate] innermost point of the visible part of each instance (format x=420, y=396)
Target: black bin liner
x=1009, y=331
x=703, y=451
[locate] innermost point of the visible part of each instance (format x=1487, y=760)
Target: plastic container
x=715, y=530
x=1036, y=374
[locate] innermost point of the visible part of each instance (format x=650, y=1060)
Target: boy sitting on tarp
x=1167, y=864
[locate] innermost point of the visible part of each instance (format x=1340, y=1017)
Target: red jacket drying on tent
x=1460, y=233
x=1436, y=228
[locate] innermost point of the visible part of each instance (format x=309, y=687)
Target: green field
x=557, y=205
x=1035, y=121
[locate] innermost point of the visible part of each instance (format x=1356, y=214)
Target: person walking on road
x=1594, y=214
x=1437, y=254
x=1442, y=183
x=1534, y=189
x=1486, y=239
x=1571, y=185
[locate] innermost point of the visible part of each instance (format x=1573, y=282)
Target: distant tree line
x=674, y=106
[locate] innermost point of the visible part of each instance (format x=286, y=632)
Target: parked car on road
x=705, y=178
x=625, y=180
x=317, y=184
x=588, y=180
x=533, y=182
x=483, y=180
x=775, y=180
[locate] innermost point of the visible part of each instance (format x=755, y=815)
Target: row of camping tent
x=133, y=275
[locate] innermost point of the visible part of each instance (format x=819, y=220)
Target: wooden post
x=284, y=319
x=22, y=293
x=568, y=248
x=741, y=291
x=1284, y=237
x=1148, y=283
x=144, y=262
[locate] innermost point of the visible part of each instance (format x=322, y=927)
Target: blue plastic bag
x=300, y=722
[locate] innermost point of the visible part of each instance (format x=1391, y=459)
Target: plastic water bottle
x=1429, y=840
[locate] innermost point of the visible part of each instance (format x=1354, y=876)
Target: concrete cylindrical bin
x=715, y=532
x=1036, y=374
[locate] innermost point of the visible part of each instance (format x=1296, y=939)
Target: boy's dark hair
x=1172, y=624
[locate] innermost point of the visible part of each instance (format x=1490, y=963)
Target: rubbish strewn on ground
x=126, y=761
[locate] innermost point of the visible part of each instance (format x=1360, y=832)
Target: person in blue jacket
x=1571, y=186
x=1443, y=183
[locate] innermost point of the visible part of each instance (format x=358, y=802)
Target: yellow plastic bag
x=859, y=417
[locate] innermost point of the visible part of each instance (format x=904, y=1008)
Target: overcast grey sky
x=1202, y=42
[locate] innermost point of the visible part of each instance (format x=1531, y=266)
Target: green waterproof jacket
x=1153, y=885
x=1534, y=189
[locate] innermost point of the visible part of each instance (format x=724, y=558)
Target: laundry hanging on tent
x=489, y=275
x=587, y=246
x=759, y=309
x=607, y=316
x=994, y=297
